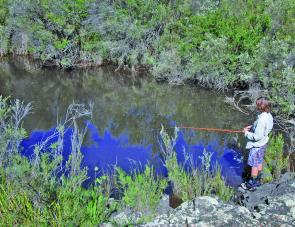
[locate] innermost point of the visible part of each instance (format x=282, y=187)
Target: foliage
x=275, y=160
x=47, y=190
x=282, y=13
x=3, y=11
x=141, y=191
x=130, y=29
x=222, y=191
x=190, y=180
x=44, y=190
x=11, y=131
x=243, y=23
x=17, y=208
x=275, y=68
x=55, y=29
x=211, y=64
x=218, y=44
x=3, y=36
x=168, y=66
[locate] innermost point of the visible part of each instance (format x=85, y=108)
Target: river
x=128, y=108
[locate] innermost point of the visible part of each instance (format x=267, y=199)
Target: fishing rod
x=212, y=129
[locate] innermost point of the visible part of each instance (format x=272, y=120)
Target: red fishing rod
x=212, y=129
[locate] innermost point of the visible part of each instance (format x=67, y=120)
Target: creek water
x=127, y=116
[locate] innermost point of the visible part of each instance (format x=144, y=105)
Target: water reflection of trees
x=122, y=103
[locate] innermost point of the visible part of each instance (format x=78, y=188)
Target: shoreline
x=282, y=122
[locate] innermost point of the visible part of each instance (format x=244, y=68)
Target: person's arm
x=258, y=134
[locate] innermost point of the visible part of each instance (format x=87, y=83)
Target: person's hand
x=247, y=128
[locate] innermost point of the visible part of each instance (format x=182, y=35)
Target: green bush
x=282, y=13
x=54, y=35
x=63, y=206
x=244, y=23
x=130, y=29
x=184, y=185
x=275, y=160
x=75, y=205
x=188, y=184
x=220, y=188
x=168, y=66
x=141, y=191
x=18, y=209
x=4, y=37
x=211, y=64
x=35, y=191
x=274, y=67
x=192, y=181
x=3, y=11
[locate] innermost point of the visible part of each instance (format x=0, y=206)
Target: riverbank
x=70, y=81
x=217, y=44
x=246, y=48
x=271, y=204
x=45, y=185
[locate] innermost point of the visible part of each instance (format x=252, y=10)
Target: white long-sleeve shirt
x=258, y=135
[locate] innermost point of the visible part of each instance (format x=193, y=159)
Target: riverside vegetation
x=45, y=190
x=221, y=44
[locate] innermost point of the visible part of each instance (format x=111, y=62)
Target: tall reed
x=190, y=180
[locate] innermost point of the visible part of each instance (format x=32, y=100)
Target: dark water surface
x=128, y=113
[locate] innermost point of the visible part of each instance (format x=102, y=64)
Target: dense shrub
x=130, y=29
x=3, y=33
x=274, y=65
x=210, y=64
x=218, y=43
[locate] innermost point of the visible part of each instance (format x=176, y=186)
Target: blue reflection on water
x=104, y=151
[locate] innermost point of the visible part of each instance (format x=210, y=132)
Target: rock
x=289, y=200
x=120, y=218
x=286, y=177
x=209, y=200
x=263, y=193
x=256, y=215
x=276, y=213
x=206, y=211
x=271, y=204
x=127, y=217
x=164, y=206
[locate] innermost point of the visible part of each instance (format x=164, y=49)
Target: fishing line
x=212, y=129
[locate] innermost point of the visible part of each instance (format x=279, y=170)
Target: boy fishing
x=257, y=136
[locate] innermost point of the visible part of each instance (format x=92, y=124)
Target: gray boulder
x=206, y=211
x=267, y=192
x=270, y=205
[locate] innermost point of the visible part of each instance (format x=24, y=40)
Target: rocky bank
x=271, y=204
